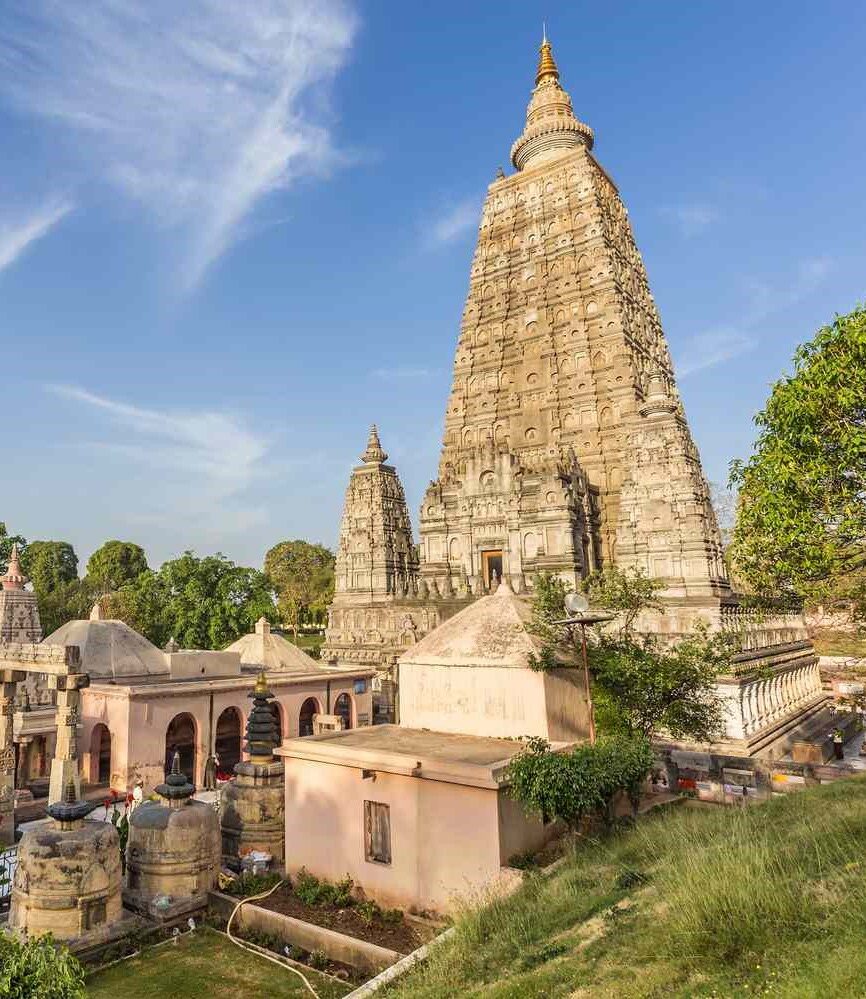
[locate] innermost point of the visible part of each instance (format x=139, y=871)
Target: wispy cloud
x=763, y=300
x=205, y=460
x=401, y=374
x=16, y=236
x=692, y=217
x=196, y=109
x=712, y=347
x=453, y=223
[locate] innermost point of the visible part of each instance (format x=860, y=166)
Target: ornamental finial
x=547, y=68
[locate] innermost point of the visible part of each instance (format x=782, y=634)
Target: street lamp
x=580, y=614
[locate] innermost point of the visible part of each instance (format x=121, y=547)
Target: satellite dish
x=576, y=603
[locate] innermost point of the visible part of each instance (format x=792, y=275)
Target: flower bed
x=340, y=907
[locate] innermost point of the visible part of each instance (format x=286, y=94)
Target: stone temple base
x=252, y=814
x=164, y=911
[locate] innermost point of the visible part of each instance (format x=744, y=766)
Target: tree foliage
x=49, y=564
x=640, y=686
x=302, y=573
x=38, y=969
x=801, y=524
x=203, y=603
x=580, y=782
x=116, y=564
x=625, y=592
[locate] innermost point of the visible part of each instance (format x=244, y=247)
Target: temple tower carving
x=566, y=444
x=378, y=608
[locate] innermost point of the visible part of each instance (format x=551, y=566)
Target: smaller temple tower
x=19, y=611
x=253, y=804
x=379, y=609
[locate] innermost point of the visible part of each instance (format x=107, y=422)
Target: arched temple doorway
x=309, y=708
x=343, y=708
x=100, y=755
x=180, y=738
x=227, y=744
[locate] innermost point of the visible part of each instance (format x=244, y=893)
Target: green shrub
x=318, y=959
x=581, y=782
x=307, y=887
x=38, y=969
x=248, y=885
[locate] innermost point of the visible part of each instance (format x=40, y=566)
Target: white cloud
x=692, y=217
x=712, y=347
x=458, y=220
x=16, y=236
x=198, y=462
x=196, y=109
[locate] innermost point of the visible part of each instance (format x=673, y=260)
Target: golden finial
x=261, y=684
x=546, y=65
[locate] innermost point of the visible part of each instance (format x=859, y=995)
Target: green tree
x=143, y=604
x=69, y=601
x=580, y=782
x=626, y=592
x=801, y=523
x=6, y=543
x=38, y=969
x=303, y=576
x=116, y=564
x=210, y=601
x=49, y=564
x=640, y=685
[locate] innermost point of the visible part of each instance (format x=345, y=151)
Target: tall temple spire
x=551, y=127
x=374, y=455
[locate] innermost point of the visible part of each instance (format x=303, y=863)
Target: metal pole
x=587, y=685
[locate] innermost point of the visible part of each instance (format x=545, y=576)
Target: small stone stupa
x=253, y=803
x=173, y=852
x=68, y=878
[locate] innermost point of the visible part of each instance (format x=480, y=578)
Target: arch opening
x=180, y=738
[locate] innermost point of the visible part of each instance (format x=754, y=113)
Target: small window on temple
x=377, y=832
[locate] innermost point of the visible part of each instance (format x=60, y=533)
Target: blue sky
x=233, y=235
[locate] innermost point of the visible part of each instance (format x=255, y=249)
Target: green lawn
x=208, y=965
x=767, y=900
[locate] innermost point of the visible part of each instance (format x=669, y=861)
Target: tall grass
x=719, y=893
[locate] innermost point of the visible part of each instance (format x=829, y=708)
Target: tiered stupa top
x=551, y=126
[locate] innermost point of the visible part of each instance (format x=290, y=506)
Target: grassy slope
x=207, y=965
x=737, y=902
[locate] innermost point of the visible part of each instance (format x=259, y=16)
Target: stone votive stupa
x=253, y=803
x=68, y=878
x=173, y=851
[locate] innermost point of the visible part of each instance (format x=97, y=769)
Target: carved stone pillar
x=64, y=766
x=8, y=681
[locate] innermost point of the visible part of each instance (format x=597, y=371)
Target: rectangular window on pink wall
x=377, y=832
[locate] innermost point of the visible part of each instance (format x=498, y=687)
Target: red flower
x=106, y=802
x=129, y=798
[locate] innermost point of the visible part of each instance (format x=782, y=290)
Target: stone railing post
x=8, y=682
x=64, y=766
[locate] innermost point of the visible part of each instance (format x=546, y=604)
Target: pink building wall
x=447, y=840
x=138, y=719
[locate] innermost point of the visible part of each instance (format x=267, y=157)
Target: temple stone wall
x=565, y=440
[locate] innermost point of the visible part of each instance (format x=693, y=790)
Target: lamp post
x=578, y=607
